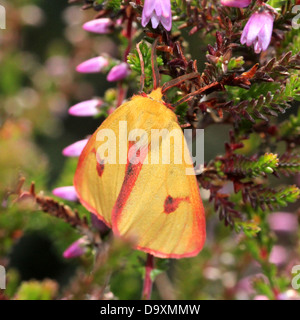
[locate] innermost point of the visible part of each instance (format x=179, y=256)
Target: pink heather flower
x=118, y=72
x=283, y=221
x=278, y=255
x=101, y=26
x=261, y=297
x=86, y=108
x=236, y=3
x=158, y=11
x=93, y=65
x=67, y=193
x=258, y=31
x=75, y=149
x=76, y=249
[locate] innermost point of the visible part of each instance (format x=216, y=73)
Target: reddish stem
x=129, y=36
x=121, y=94
x=147, y=289
x=121, y=90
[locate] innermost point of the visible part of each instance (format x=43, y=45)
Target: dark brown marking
x=100, y=168
x=171, y=204
x=100, y=164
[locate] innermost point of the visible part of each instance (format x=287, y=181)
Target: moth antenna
x=176, y=82
x=155, y=71
x=142, y=80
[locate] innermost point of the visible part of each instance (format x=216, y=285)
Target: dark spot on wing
x=171, y=204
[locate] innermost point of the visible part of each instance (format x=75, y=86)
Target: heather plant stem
x=148, y=283
x=268, y=273
x=129, y=36
x=142, y=66
x=155, y=71
x=121, y=93
x=121, y=90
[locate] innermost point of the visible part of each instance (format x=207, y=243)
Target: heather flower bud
x=118, y=72
x=76, y=249
x=88, y=108
x=101, y=26
x=93, y=65
x=67, y=193
x=75, y=149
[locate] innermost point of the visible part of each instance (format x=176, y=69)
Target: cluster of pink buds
x=90, y=108
x=98, y=64
x=259, y=28
x=158, y=11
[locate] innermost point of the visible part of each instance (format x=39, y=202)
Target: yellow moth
x=154, y=205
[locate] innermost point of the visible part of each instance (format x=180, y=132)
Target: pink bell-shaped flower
x=158, y=11
x=258, y=31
